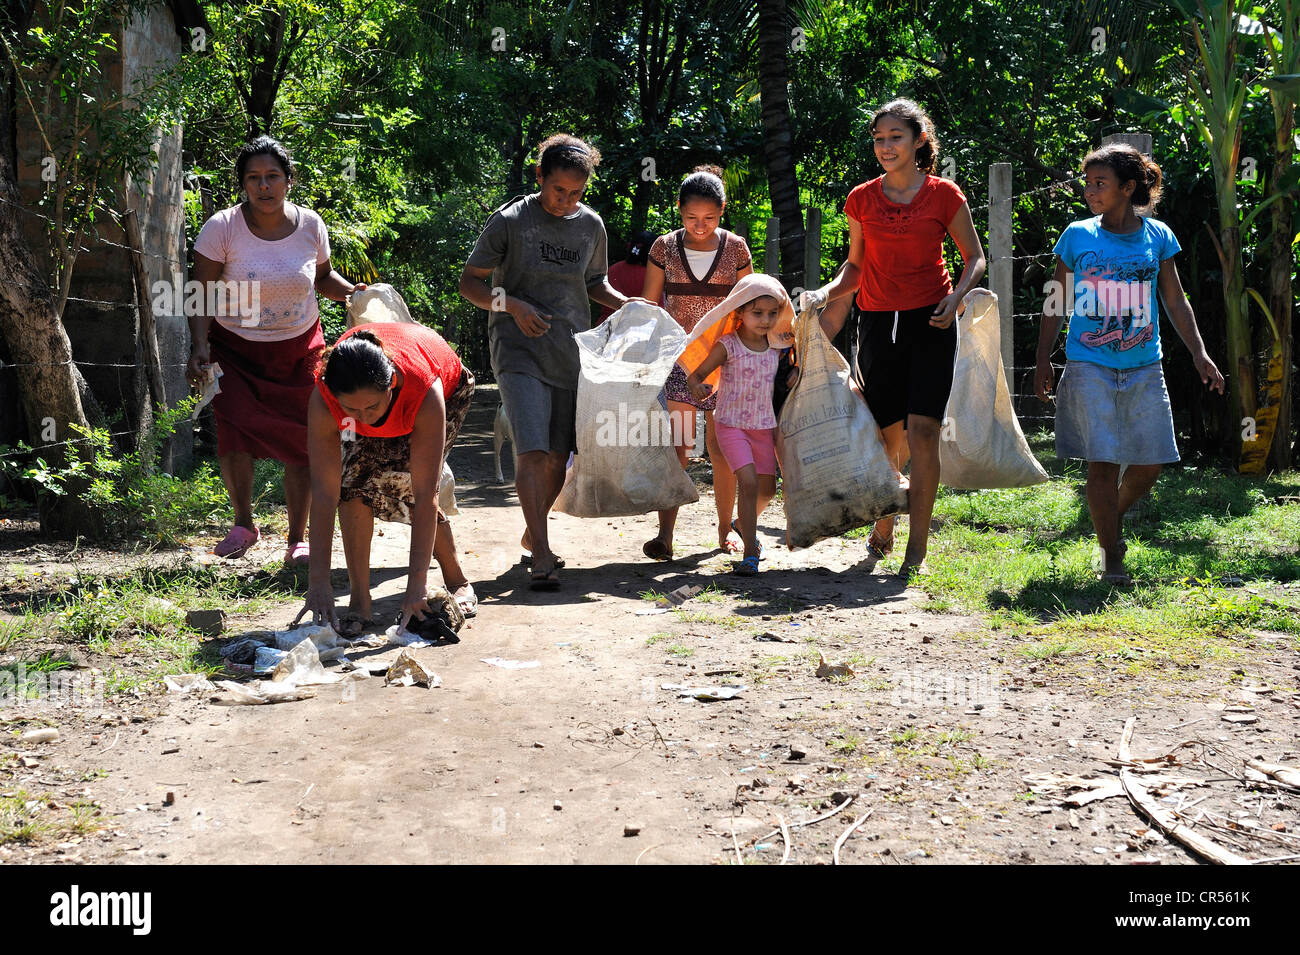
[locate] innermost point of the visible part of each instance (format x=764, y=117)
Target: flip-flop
x=549, y=581
x=656, y=549
x=237, y=542
x=299, y=555
x=746, y=568
x=527, y=559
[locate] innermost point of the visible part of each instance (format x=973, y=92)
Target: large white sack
x=377, y=303
x=626, y=463
x=835, y=473
x=981, y=444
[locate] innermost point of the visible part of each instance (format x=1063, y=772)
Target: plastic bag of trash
x=302, y=667
x=324, y=638
x=410, y=670
x=377, y=303
x=835, y=473
x=981, y=444
x=626, y=463
x=185, y=683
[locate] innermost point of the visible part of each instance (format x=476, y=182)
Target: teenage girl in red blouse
x=908, y=337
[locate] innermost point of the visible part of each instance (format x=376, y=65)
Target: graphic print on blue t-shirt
x=1114, y=320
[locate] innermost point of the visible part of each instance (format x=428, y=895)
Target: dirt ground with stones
x=588, y=757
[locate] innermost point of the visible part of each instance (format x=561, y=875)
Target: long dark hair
x=357, y=362
x=1129, y=165
x=919, y=121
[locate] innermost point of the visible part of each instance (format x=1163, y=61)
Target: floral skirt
x=377, y=471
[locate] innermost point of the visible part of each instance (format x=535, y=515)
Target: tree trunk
x=1281, y=294
x=38, y=344
x=778, y=136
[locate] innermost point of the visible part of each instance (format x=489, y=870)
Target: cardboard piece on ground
x=410, y=668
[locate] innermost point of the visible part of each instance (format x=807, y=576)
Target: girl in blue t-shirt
x=1112, y=408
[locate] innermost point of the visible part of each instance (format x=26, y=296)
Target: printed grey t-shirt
x=549, y=262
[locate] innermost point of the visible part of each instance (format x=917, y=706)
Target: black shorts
x=905, y=364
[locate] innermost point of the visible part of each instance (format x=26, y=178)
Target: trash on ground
x=827, y=670
x=671, y=600
x=707, y=694
x=409, y=670
x=511, y=664
x=400, y=637
x=263, y=691
x=323, y=638
x=186, y=683
x=302, y=667
x=40, y=736
x=770, y=637
x=267, y=659
x=243, y=650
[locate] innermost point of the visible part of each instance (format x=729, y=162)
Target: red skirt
x=265, y=387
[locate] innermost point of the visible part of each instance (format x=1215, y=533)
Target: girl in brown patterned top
x=720, y=259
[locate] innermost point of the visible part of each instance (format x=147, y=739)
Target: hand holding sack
x=835, y=472
x=981, y=444
x=626, y=462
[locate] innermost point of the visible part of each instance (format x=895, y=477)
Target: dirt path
x=934, y=734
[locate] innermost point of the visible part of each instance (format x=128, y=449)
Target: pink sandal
x=237, y=542
x=299, y=555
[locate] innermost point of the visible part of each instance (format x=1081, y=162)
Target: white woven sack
x=980, y=442
x=626, y=463
x=835, y=473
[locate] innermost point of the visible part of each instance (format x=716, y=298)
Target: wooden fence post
x=1139, y=141
x=1000, y=273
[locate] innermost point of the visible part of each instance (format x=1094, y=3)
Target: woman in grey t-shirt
x=540, y=260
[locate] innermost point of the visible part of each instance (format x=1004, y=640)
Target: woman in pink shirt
x=262, y=263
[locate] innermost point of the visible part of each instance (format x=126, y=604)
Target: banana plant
x=1218, y=89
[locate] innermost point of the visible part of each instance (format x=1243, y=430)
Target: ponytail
x=1129, y=165
x=358, y=362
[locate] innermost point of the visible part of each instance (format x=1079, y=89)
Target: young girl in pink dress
x=743, y=419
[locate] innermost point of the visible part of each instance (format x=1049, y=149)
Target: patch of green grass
x=1048, y=649
x=26, y=818
x=730, y=622
x=657, y=638
x=679, y=650
x=711, y=594
x=650, y=595
x=1027, y=557
x=845, y=741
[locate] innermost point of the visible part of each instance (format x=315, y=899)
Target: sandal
x=299, y=555
x=878, y=548
x=467, y=602
x=736, y=530
x=746, y=568
x=656, y=549
x=237, y=542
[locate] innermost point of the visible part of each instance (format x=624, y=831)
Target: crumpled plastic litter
x=826, y=669
x=183, y=684
x=267, y=659
x=671, y=601
x=263, y=691
x=243, y=649
x=323, y=638
x=407, y=670
x=707, y=694
x=397, y=636
x=302, y=667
